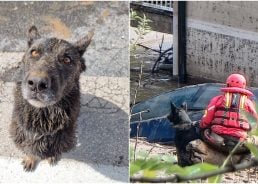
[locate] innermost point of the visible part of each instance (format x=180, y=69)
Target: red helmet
x=236, y=80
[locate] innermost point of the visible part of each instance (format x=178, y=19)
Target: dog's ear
x=184, y=105
x=84, y=42
x=174, y=108
x=173, y=113
x=32, y=35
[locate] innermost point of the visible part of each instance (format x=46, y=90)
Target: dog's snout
x=38, y=84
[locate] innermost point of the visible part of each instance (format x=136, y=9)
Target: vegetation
x=146, y=168
x=142, y=29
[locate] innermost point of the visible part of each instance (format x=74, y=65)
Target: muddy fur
x=45, y=132
x=44, y=118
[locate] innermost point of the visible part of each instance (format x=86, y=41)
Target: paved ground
x=67, y=171
x=101, y=154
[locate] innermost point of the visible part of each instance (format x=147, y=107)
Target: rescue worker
x=229, y=116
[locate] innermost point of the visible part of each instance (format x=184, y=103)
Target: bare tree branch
x=137, y=135
x=159, y=58
x=178, y=178
x=138, y=86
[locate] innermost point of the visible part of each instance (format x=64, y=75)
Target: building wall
x=222, y=38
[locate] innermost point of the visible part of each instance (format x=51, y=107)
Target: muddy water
x=153, y=84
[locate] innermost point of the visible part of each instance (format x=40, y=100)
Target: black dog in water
x=47, y=100
x=186, y=131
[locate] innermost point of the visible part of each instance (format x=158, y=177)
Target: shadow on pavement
x=102, y=134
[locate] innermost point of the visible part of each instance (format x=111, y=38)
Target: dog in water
x=47, y=100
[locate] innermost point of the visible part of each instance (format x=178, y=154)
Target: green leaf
x=200, y=168
x=137, y=17
x=147, y=166
x=254, y=132
x=176, y=169
x=137, y=31
x=168, y=158
x=149, y=173
x=135, y=167
x=147, y=20
x=149, y=163
x=133, y=14
x=155, y=157
x=215, y=179
x=253, y=149
x=161, y=167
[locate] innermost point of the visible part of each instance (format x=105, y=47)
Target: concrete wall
x=222, y=38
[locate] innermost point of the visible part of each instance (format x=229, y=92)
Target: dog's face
x=51, y=68
x=178, y=115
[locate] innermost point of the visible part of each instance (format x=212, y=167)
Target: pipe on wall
x=175, y=39
x=182, y=73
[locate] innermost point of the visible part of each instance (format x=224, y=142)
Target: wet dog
x=186, y=131
x=47, y=100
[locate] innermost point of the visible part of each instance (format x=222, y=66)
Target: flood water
x=153, y=84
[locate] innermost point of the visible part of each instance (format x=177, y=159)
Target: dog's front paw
x=53, y=160
x=29, y=163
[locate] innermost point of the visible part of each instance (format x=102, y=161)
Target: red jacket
x=230, y=113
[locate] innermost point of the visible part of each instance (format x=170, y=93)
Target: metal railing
x=164, y=5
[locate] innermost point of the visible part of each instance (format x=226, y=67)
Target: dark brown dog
x=47, y=99
x=186, y=132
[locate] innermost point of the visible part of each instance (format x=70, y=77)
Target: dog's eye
x=67, y=60
x=35, y=53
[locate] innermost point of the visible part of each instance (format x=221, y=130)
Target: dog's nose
x=38, y=84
